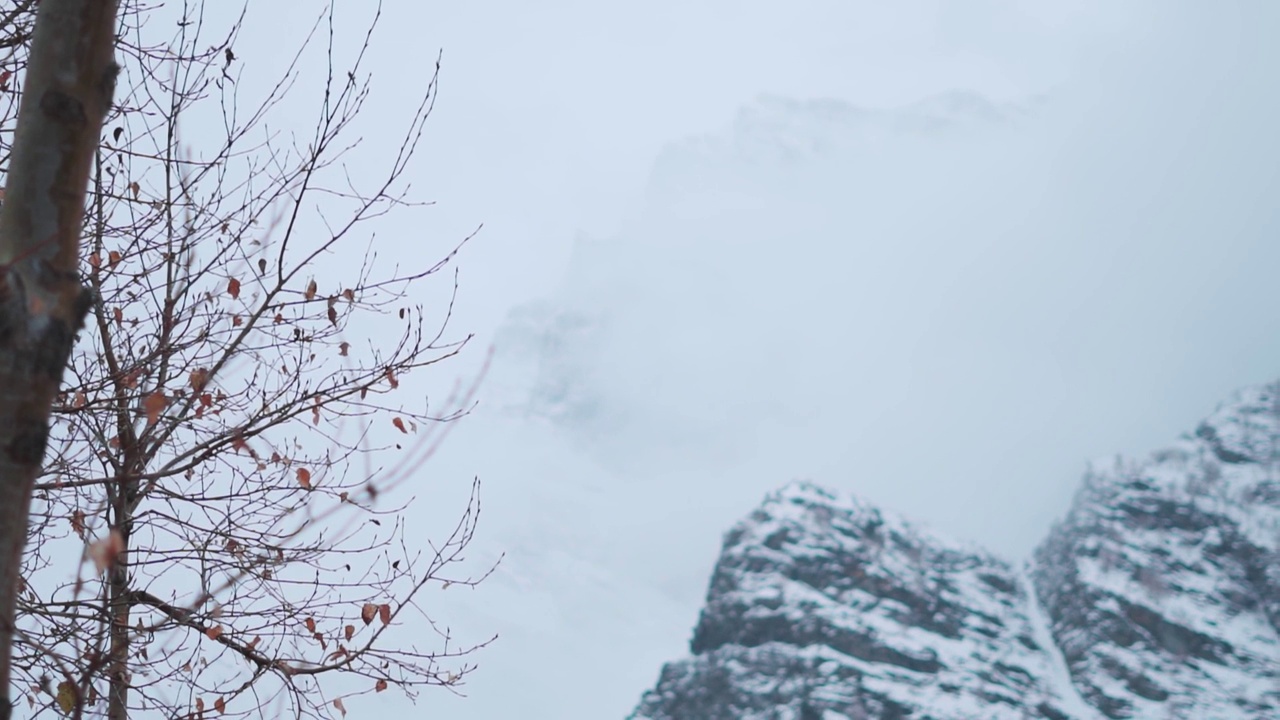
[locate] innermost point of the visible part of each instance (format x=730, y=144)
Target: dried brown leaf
x=77, y=523
x=197, y=378
x=153, y=405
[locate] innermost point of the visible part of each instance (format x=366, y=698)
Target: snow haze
x=937, y=254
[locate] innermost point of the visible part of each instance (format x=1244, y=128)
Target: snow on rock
x=1157, y=597
x=1163, y=583
x=823, y=607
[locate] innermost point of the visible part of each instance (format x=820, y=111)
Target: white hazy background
x=706, y=273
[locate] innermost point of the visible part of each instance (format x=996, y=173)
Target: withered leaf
x=198, y=378
x=153, y=405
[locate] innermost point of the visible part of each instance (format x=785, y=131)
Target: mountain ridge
x=1157, y=595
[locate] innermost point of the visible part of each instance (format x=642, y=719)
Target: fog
x=937, y=254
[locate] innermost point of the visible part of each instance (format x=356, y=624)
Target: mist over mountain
x=944, y=307
x=819, y=288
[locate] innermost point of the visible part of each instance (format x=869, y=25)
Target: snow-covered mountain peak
x=1245, y=429
x=1158, y=596
x=822, y=606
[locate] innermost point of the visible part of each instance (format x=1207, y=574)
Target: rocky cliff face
x=1163, y=584
x=1157, y=597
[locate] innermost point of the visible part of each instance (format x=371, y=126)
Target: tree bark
x=119, y=591
x=68, y=90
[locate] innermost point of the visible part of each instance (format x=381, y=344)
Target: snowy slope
x=1157, y=597
x=1163, y=584
x=823, y=607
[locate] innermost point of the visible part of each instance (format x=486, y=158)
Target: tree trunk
x=119, y=592
x=67, y=92
x=120, y=600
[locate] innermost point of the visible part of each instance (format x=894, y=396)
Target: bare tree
x=234, y=419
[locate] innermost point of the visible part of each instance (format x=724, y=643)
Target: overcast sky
x=950, y=323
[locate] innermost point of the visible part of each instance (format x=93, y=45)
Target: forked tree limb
x=70, y=80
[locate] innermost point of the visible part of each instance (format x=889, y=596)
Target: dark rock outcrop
x=1157, y=597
